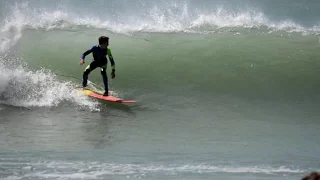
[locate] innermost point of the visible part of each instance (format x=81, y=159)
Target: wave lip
x=158, y=22
x=156, y=19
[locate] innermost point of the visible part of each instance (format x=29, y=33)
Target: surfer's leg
x=86, y=73
x=105, y=81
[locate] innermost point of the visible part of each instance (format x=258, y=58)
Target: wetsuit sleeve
x=113, y=65
x=86, y=53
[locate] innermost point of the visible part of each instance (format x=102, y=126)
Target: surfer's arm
x=113, y=65
x=86, y=53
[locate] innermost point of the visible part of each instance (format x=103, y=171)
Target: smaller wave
x=96, y=170
x=23, y=88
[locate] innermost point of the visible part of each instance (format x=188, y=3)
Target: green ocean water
x=224, y=90
x=260, y=66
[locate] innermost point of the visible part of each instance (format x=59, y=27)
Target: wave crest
x=163, y=19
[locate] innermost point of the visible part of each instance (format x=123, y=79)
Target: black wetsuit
x=99, y=60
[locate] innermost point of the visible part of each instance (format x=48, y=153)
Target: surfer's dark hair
x=103, y=40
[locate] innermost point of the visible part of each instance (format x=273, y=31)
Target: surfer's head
x=104, y=42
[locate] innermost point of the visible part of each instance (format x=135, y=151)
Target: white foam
x=11, y=30
x=157, y=19
x=24, y=88
x=94, y=170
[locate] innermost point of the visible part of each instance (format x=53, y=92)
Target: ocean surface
x=225, y=89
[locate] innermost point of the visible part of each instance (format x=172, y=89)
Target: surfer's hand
x=82, y=62
x=113, y=74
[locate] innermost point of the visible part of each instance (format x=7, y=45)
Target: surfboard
x=99, y=95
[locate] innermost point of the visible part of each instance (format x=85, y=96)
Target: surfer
x=100, y=53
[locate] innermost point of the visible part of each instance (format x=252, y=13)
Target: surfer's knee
x=103, y=72
x=87, y=72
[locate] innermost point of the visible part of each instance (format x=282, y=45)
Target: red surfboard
x=98, y=95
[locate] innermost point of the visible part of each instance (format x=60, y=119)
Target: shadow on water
x=127, y=108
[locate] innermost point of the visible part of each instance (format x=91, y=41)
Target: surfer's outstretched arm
x=86, y=53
